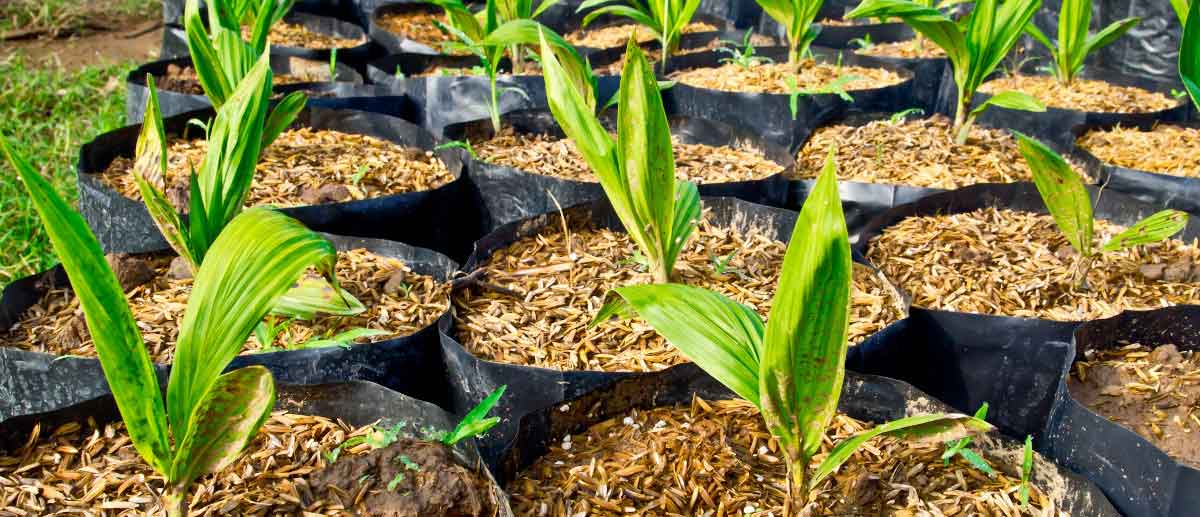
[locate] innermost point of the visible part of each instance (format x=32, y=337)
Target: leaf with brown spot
x=224, y=422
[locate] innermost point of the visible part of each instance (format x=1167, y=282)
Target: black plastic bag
x=1179, y=192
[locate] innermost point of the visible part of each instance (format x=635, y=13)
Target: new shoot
x=1069, y=204
x=208, y=417
x=791, y=367
x=1074, y=43
x=637, y=171
x=665, y=19
x=975, y=46
x=796, y=17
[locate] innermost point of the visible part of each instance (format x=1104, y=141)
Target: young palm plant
x=665, y=19
x=1074, y=43
x=209, y=417
x=1189, y=54
x=975, y=46
x=1069, y=204
x=637, y=171
x=796, y=17
x=222, y=59
x=792, y=367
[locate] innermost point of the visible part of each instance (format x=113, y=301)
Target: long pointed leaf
x=224, y=423
x=1189, y=55
x=282, y=116
x=314, y=294
x=1104, y=38
x=1062, y=191
x=1155, y=228
x=149, y=172
x=1011, y=99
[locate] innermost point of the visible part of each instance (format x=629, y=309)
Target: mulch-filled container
x=1125, y=416
x=646, y=445
x=927, y=62
x=994, y=249
x=173, y=10
x=80, y=459
x=49, y=360
x=758, y=96
x=531, y=168
x=338, y=171
x=612, y=32
x=1154, y=162
x=179, y=89
x=532, y=286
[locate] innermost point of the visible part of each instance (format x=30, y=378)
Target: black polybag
x=1178, y=192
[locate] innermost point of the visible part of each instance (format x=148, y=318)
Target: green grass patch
x=56, y=16
x=48, y=114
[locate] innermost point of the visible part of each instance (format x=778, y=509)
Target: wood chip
x=769, y=77
x=1082, y=94
x=1166, y=149
x=417, y=25
x=285, y=34
x=617, y=35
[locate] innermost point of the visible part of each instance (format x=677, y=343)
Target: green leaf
x=1189, y=56
x=1105, y=37
x=804, y=350
x=250, y=266
x=282, y=116
x=624, y=11
x=977, y=461
x=929, y=22
x=204, y=56
x=1062, y=191
x=1010, y=99
x=1034, y=32
x=343, y=339
x=687, y=214
x=1026, y=471
x=922, y=429
x=149, y=172
x=721, y=336
x=1074, y=19
x=314, y=294
x=123, y=356
x=1158, y=227
x=1181, y=10
x=224, y=422
x=474, y=423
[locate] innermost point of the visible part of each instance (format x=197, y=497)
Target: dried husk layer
x=542, y=292
x=1082, y=94
x=907, y=49
x=769, y=77
x=1013, y=263
x=617, y=35
x=284, y=34
x=1165, y=149
x=717, y=458
x=418, y=26
x=413, y=301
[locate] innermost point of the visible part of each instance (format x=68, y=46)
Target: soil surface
x=769, y=77
x=409, y=478
x=543, y=292
x=398, y=300
x=136, y=40
x=184, y=79
x=717, y=458
x=1011, y=263
x=1154, y=392
x=285, y=34
x=1082, y=94
x=916, y=151
x=617, y=35
x=91, y=468
x=304, y=167
x=550, y=156
x=908, y=49
x=1166, y=149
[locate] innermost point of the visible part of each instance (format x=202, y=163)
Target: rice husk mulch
x=1165, y=149
x=918, y=152
x=550, y=156
x=184, y=79
x=769, y=77
x=304, y=167
x=907, y=49
x=1153, y=391
x=285, y=34
x=617, y=35
x=1082, y=94
x=94, y=469
x=418, y=26
x=56, y=326
x=717, y=458
x=1011, y=263
x=543, y=292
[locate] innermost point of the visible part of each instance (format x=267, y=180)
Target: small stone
x=763, y=450
x=396, y=285
x=333, y=193
x=1166, y=354
x=564, y=408
x=179, y=270
x=1178, y=272
x=1152, y=271
x=749, y=509
x=131, y=271
x=628, y=421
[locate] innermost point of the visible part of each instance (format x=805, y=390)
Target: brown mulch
x=548, y=294
x=652, y=55
x=550, y=156
x=1012, y=263
x=184, y=79
x=1154, y=392
x=769, y=77
x=295, y=35
x=1166, y=149
x=94, y=470
x=304, y=167
x=1082, y=94
x=418, y=26
x=717, y=458
x=159, y=297
x=618, y=35
x=918, y=151
x=908, y=49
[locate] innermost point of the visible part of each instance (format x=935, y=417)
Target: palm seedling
x=208, y=417
x=975, y=46
x=637, y=171
x=745, y=55
x=1181, y=7
x=665, y=19
x=1074, y=43
x=796, y=17
x=793, y=366
x=1189, y=53
x=1071, y=207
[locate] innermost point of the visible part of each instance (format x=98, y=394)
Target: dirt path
x=137, y=41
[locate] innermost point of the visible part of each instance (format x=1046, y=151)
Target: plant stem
x=495, y=107
x=1081, y=272
x=797, y=492
x=175, y=500
x=518, y=60
x=662, y=275
x=962, y=123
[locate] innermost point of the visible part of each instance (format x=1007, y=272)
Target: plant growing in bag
x=665, y=19
x=1069, y=204
x=796, y=17
x=222, y=59
x=791, y=367
x=1074, y=43
x=975, y=46
x=209, y=417
x=637, y=171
